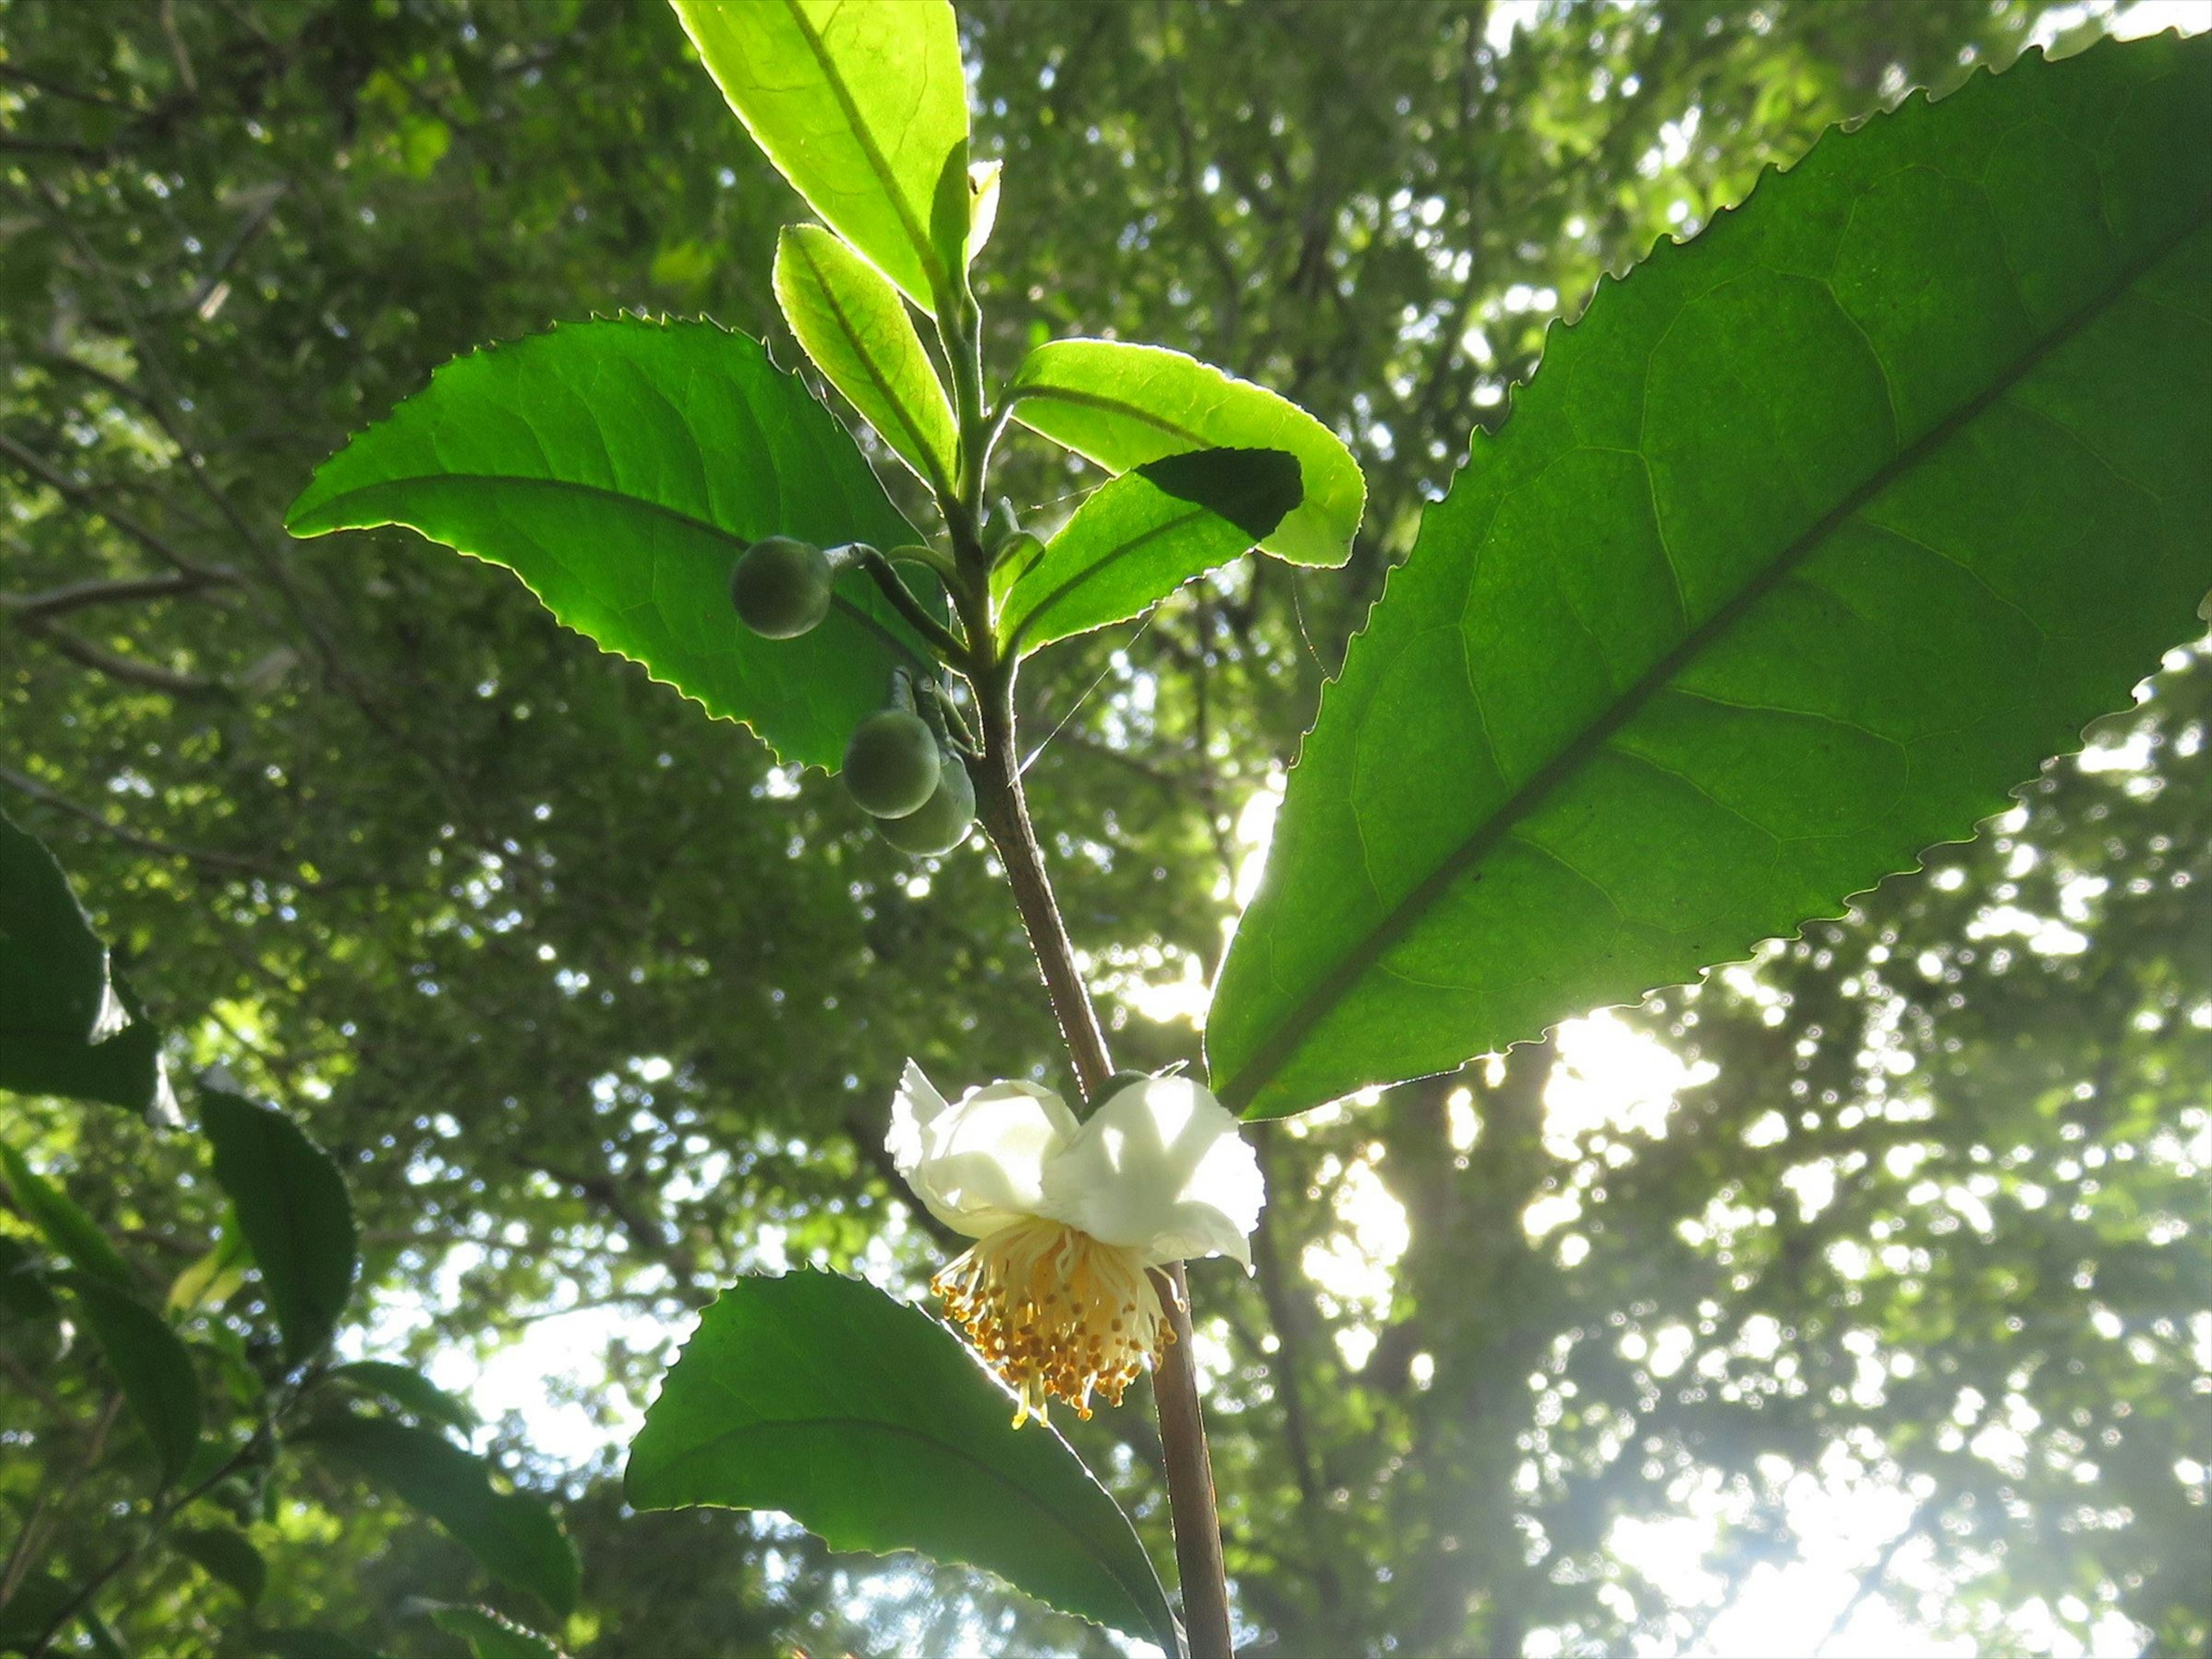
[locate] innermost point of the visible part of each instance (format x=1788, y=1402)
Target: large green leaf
x=294, y=1209
x=1121, y=405
x=513, y=1534
x=62, y=1222
x=620, y=468
x=150, y=1364
x=64, y=1029
x=862, y=336
x=868, y=1423
x=1141, y=537
x=865, y=109
x=1810, y=540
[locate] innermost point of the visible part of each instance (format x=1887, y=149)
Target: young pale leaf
x=406, y=1387
x=860, y=336
x=491, y=1636
x=215, y=1277
x=75, y=1235
x=227, y=1556
x=1122, y=405
x=1809, y=541
x=513, y=1536
x=1141, y=537
x=294, y=1209
x=867, y=1422
x=64, y=1029
x=150, y=1364
x=620, y=469
x=865, y=109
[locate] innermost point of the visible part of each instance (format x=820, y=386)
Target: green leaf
x=1122, y=405
x=513, y=1536
x=75, y=1235
x=215, y=1277
x=863, y=109
x=492, y=1637
x=1141, y=537
x=859, y=334
x=406, y=1387
x=620, y=469
x=871, y=1424
x=1811, y=539
x=294, y=1209
x=65, y=1026
x=227, y=1556
x=150, y=1364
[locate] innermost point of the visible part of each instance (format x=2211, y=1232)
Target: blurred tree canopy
x=1556, y=1355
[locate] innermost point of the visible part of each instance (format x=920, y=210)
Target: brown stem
x=1005, y=812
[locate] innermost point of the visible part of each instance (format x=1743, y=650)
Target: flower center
x=1056, y=1312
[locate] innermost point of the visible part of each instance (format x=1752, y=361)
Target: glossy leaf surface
x=868, y=1422
x=863, y=108
x=513, y=1536
x=1121, y=405
x=294, y=1209
x=1139, y=537
x=620, y=469
x=64, y=1027
x=150, y=1364
x=1808, y=543
x=862, y=336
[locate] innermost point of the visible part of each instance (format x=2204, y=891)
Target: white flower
x=1070, y=1217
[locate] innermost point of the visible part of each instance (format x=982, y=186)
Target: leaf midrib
x=1268, y=1059
x=1097, y=568
x=867, y=619
x=926, y=452
x=845, y=1420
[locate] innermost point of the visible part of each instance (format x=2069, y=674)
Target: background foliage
x=1910, y=1208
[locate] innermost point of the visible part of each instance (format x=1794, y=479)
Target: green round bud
x=780, y=588
x=890, y=765
x=942, y=822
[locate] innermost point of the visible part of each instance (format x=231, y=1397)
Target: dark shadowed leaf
x=406, y=1387
x=65, y=1026
x=620, y=469
x=227, y=1555
x=150, y=1364
x=1122, y=405
x=1141, y=537
x=1811, y=539
x=513, y=1536
x=863, y=108
x=870, y=1424
x=293, y=1207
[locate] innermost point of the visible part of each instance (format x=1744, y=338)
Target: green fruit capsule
x=890, y=765
x=780, y=588
x=942, y=822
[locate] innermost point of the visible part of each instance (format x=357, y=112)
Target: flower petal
x=976, y=1164
x=1161, y=1167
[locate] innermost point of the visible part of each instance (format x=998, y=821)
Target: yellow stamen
x=1055, y=1312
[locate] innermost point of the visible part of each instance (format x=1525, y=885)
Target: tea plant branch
x=1003, y=807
